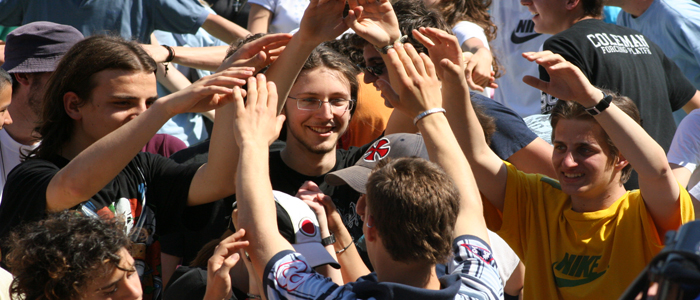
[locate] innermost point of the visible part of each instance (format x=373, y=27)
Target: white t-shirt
x=10, y=156
x=685, y=149
x=516, y=35
x=465, y=30
x=505, y=256
x=286, y=14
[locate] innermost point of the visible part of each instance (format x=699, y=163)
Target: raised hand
x=256, y=119
x=442, y=46
x=322, y=21
x=567, y=82
x=478, y=71
x=258, y=53
x=207, y=93
x=418, y=85
x=374, y=20
x=225, y=256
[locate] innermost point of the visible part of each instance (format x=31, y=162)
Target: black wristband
x=330, y=240
x=601, y=106
x=171, y=53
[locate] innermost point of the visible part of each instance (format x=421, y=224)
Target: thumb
x=536, y=83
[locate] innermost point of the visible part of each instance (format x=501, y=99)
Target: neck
x=414, y=274
x=635, y=8
x=23, y=123
x=297, y=157
x=72, y=148
x=583, y=203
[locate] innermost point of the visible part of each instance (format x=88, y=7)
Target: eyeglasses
x=311, y=104
x=375, y=70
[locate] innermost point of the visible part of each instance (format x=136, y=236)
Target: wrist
x=427, y=113
x=388, y=45
x=597, y=103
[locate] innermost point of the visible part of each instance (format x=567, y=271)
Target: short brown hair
x=569, y=110
x=592, y=8
x=414, y=205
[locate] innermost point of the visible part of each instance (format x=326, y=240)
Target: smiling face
x=581, y=159
x=317, y=131
x=119, y=97
x=549, y=16
x=121, y=283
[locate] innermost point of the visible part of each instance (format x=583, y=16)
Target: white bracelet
x=426, y=113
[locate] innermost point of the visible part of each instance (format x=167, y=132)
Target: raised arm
x=256, y=125
x=658, y=185
x=82, y=178
x=489, y=170
x=419, y=90
x=322, y=21
x=223, y=29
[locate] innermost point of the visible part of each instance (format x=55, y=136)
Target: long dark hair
x=75, y=73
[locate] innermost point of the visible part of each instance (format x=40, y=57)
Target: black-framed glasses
x=311, y=104
x=375, y=70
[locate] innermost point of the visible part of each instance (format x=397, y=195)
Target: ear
x=572, y=4
x=621, y=162
x=361, y=206
x=70, y=104
x=22, y=78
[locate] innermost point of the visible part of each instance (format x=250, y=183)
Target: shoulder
x=473, y=261
x=289, y=276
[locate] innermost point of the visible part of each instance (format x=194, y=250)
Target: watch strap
x=601, y=106
x=330, y=240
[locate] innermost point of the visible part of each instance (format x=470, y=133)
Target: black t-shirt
x=623, y=60
x=149, y=179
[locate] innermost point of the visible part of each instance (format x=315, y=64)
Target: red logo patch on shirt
x=379, y=150
x=291, y=275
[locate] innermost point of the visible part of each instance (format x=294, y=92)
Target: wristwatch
x=601, y=106
x=328, y=241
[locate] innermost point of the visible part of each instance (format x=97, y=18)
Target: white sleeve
x=465, y=30
x=504, y=255
x=267, y=4
x=685, y=147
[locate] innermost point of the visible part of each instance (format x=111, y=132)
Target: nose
x=8, y=118
x=369, y=77
x=325, y=111
x=569, y=161
x=132, y=288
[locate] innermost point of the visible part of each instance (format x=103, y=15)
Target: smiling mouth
x=321, y=129
x=573, y=175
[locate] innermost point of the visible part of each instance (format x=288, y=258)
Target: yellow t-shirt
x=571, y=255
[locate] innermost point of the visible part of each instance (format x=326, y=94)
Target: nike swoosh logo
x=561, y=282
x=519, y=40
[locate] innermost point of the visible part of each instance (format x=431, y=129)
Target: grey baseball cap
x=38, y=47
x=394, y=145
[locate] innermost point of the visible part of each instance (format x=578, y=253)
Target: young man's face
x=5, y=99
x=374, y=60
x=581, y=157
x=549, y=16
x=119, y=97
x=317, y=130
x=117, y=284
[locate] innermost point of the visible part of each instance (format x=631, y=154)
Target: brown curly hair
x=57, y=258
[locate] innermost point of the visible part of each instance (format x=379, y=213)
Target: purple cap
x=38, y=47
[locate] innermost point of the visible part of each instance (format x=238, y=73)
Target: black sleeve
x=24, y=194
x=680, y=90
x=169, y=186
x=512, y=134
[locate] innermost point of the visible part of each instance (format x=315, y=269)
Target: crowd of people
x=407, y=149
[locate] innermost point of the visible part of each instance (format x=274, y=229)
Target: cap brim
x=355, y=177
x=316, y=255
x=32, y=64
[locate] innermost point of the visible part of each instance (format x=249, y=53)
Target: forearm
x=216, y=179
x=258, y=19
x=256, y=207
x=284, y=71
x=488, y=168
x=693, y=103
x=444, y=150
x=98, y=164
x=223, y=29
x=173, y=81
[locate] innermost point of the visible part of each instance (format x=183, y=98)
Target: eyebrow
x=129, y=97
